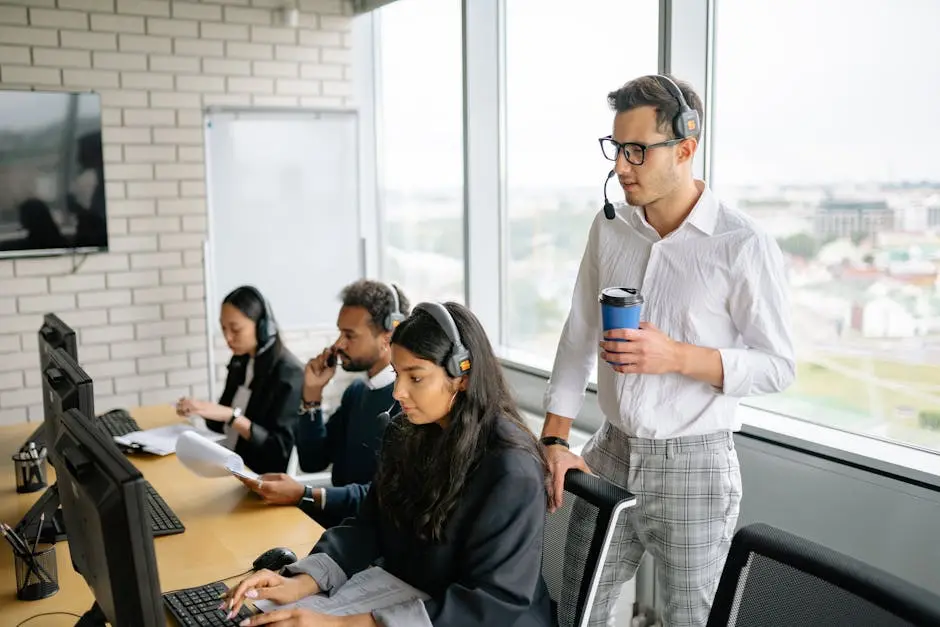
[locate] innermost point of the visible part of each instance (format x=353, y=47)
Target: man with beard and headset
x=351, y=438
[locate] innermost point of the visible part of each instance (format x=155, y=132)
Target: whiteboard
x=283, y=193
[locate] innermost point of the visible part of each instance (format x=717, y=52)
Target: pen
x=9, y=539
x=14, y=539
x=42, y=519
x=21, y=549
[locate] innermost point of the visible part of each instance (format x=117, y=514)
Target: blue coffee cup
x=620, y=308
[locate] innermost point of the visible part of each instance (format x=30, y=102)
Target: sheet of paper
x=368, y=590
x=159, y=441
x=205, y=457
x=240, y=471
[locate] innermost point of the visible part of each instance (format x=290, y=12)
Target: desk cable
x=250, y=570
x=26, y=620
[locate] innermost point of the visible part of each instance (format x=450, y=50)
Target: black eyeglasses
x=635, y=154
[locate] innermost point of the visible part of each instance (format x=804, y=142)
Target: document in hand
x=159, y=441
x=209, y=459
x=367, y=590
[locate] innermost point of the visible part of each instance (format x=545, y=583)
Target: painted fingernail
x=252, y=594
x=231, y=615
x=221, y=606
x=245, y=623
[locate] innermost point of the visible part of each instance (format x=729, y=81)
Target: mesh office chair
x=773, y=578
x=607, y=504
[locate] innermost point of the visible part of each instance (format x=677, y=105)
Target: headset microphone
x=608, y=207
x=386, y=415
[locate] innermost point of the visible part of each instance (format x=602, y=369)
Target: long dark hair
x=250, y=302
x=424, y=468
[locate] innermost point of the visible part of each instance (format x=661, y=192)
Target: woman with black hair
x=258, y=408
x=457, y=508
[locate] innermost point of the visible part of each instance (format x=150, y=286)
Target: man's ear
x=686, y=150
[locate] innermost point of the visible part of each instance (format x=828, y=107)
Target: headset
x=686, y=123
x=458, y=360
x=266, y=326
x=395, y=316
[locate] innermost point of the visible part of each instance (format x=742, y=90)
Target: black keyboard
x=162, y=519
x=117, y=422
x=200, y=606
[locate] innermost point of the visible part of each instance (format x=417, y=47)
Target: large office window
x=419, y=91
x=824, y=134
x=560, y=64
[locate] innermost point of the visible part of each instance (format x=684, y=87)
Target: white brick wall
x=157, y=64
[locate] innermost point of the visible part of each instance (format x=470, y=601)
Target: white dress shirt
x=716, y=281
x=382, y=378
x=240, y=400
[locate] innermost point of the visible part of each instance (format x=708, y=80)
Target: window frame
x=686, y=48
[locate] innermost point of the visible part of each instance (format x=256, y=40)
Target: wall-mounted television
x=52, y=198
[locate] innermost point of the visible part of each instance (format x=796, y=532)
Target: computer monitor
x=53, y=334
x=104, y=502
x=65, y=385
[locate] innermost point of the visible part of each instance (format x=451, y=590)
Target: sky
x=805, y=91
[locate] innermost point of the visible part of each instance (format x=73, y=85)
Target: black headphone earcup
x=687, y=124
x=458, y=363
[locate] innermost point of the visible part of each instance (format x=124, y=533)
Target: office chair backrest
x=774, y=578
x=607, y=504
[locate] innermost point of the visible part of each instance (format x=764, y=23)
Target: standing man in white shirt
x=714, y=328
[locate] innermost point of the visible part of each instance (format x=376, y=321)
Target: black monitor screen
x=52, y=184
x=104, y=503
x=64, y=386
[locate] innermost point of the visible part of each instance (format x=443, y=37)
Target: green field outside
x=843, y=394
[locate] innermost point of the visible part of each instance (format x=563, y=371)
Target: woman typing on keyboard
x=258, y=408
x=457, y=508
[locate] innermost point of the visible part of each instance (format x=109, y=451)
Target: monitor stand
x=93, y=618
x=53, y=526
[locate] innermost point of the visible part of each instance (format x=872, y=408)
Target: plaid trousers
x=688, y=493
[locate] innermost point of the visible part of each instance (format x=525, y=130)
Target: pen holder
x=31, y=472
x=36, y=576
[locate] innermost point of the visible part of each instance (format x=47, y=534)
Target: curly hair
x=376, y=298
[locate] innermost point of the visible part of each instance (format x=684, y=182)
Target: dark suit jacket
x=350, y=440
x=275, y=398
x=489, y=570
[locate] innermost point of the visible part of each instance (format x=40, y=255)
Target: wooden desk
x=227, y=527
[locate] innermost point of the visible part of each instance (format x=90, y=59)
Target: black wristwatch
x=236, y=412
x=307, y=495
x=552, y=440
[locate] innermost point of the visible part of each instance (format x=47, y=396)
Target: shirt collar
x=704, y=215
x=382, y=378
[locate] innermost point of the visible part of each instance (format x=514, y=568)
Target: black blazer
x=488, y=572
x=275, y=398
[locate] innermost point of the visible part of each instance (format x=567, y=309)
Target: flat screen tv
x=52, y=198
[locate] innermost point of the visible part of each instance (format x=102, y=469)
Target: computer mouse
x=274, y=559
